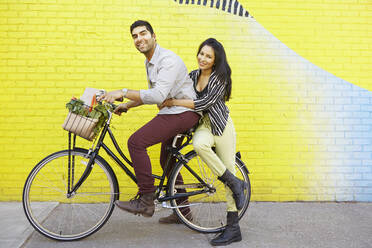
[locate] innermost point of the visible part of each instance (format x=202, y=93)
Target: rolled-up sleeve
x=215, y=92
x=166, y=78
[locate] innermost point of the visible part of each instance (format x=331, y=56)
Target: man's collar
x=154, y=56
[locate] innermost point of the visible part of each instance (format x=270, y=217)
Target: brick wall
x=301, y=104
x=334, y=35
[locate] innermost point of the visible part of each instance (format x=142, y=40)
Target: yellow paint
x=334, y=35
x=50, y=52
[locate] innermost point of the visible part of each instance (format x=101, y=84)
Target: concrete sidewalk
x=276, y=225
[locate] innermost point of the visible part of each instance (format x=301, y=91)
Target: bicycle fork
x=89, y=166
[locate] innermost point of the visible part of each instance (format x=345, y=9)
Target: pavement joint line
x=28, y=232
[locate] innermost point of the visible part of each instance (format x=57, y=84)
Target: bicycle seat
x=187, y=133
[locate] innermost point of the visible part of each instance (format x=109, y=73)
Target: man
x=167, y=78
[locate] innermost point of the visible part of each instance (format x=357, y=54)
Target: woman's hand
x=112, y=96
x=167, y=103
x=121, y=108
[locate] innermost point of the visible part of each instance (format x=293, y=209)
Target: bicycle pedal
x=165, y=205
x=158, y=206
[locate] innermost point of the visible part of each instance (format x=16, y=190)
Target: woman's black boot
x=231, y=232
x=237, y=187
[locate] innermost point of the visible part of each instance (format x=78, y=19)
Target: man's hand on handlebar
x=112, y=96
x=121, y=108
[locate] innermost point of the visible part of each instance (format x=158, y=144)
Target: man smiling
x=167, y=78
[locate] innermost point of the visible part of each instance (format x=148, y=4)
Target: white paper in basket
x=88, y=95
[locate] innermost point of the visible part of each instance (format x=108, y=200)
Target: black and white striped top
x=212, y=102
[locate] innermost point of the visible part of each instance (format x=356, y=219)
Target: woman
x=212, y=83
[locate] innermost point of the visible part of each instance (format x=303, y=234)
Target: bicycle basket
x=80, y=125
x=84, y=121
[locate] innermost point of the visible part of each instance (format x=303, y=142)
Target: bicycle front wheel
x=62, y=216
x=204, y=210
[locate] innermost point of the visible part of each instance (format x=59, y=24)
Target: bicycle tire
x=208, y=210
x=63, y=218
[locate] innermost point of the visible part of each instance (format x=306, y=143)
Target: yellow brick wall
x=52, y=50
x=334, y=35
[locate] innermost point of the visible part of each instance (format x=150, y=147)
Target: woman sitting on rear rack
x=212, y=83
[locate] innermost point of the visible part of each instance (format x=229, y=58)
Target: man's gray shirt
x=167, y=77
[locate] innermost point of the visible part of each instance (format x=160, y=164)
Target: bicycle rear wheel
x=204, y=212
x=55, y=214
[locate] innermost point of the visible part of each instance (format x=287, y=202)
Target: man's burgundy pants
x=161, y=128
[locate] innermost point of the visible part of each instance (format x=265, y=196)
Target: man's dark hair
x=141, y=23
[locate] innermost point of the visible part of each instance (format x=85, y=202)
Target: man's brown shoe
x=140, y=204
x=173, y=219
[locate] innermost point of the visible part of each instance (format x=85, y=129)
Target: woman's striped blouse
x=213, y=102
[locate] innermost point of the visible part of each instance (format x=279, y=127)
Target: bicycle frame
x=174, y=151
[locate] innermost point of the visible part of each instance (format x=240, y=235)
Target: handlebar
x=113, y=106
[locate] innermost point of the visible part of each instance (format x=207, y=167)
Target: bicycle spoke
x=82, y=213
x=62, y=165
x=61, y=220
x=49, y=187
x=80, y=221
x=45, y=178
x=87, y=194
x=201, y=168
x=208, y=210
x=72, y=225
x=91, y=211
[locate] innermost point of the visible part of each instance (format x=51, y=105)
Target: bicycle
x=70, y=194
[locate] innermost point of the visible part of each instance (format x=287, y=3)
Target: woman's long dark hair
x=221, y=67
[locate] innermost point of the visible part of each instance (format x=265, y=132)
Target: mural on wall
x=230, y=6
x=305, y=134
x=318, y=128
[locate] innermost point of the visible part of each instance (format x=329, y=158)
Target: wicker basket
x=80, y=125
